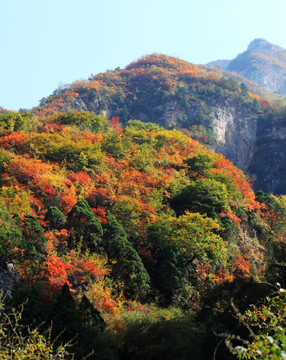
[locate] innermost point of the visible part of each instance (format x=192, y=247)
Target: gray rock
x=9, y=278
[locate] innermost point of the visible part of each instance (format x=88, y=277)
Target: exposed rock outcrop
x=9, y=278
x=269, y=158
x=235, y=129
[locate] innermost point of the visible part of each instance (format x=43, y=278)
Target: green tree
x=84, y=225
x=200, y=165
x=2, y=169
x=85, y=120
x=10, y=237
x=55, y=217
x=195, y=235
x=15, y=121
x=129, y=265
x=66, y=321
x=92, y=326
x=34, y=233
x=204, y=196
x=172, y=271
x=90, y=318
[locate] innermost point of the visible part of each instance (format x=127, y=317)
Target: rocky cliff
x=9, y=278
x=234, y=126
x=268, y=162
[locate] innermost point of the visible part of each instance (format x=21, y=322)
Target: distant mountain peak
x=263, y=63
x=259, y=44
x=264, y=47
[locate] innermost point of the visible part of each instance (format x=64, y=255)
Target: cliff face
x=269, y=157
x=235, y=130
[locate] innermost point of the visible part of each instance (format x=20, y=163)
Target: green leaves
x=266, y=324
x=84, y=225
x=129, y=264
x=84, y=120
x=55, y=217
x=204, y=196
x=194, y=235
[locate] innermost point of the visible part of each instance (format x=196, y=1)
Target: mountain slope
x=130, y=221
x=172, y=93
x=217, y=110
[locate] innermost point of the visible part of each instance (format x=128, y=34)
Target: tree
x=201, y=164
x=34, y=233
x=66, y=321
x=10, y=237
x=15, y=121
x=84, y=120
x=2, y=169
x=193, y=234
x=92, y=326
x=203, y=196
x=172, y=271
x=90, y=318
x=84, y=225
x=129, y=265
x=55, y=217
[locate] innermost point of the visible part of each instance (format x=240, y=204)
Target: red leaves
x=241, y=266
x=100, y=213
x=224, y=166
x=73, y=272
x=57, y=272
x=68, y=201
x=86, y=268
x=109, y=305
x=81, y=178
x=13, y=140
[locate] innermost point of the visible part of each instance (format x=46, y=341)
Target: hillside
x=103, y=222
x=173, y=93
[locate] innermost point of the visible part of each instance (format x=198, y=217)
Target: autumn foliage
x=128, y=215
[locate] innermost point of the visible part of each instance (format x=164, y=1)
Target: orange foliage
x=241, y=266
x=263, y=101
x=57, y=272
x=13, y=140
x=81, y=178
x=248, y=197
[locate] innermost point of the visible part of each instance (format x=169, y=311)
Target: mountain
x=130, y=238
x=263, y=63
x=173, y=93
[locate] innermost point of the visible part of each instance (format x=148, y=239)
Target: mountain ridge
x=216, y=109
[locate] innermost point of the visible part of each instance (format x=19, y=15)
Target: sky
x=47, y=43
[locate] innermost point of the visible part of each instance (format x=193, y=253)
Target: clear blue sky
x=47, y=42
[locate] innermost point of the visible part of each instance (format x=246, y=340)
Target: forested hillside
x=217, y=110
x=129, y=241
